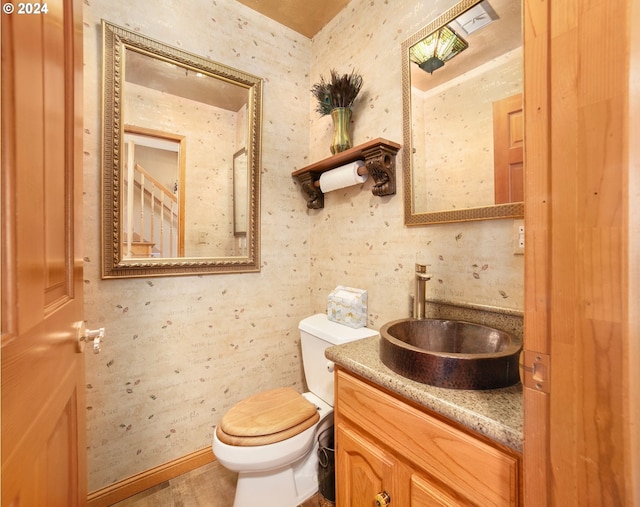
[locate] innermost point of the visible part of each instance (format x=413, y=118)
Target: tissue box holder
x=348, y=306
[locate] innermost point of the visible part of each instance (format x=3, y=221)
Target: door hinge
x=536, y=370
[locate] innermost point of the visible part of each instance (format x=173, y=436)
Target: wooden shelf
x=379, y=157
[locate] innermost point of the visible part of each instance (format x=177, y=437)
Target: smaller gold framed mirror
x=463, y=128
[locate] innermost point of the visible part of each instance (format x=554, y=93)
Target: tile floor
x=209, y=486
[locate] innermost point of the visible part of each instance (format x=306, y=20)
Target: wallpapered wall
x=181, y=350
x=359, y=239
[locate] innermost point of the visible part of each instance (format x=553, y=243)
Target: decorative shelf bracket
x=379, y=157
x=380, y=161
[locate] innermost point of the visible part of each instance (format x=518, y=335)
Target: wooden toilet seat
x=267, y=418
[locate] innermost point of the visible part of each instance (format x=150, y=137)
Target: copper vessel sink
x=450, y=353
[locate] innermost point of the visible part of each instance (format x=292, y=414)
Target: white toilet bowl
x=271, y=438
x=283, y=474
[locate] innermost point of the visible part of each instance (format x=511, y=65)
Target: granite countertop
x=495, y=413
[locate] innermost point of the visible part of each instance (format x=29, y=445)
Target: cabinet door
x=363, y=470
x=469, y=470
x=424, y=491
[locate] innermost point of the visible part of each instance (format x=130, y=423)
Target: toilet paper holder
x=379, y=156
x=344, y=176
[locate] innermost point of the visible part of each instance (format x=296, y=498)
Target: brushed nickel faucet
x=419, y=298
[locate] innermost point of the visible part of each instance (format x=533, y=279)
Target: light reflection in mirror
x=210, y=114
x=453, y=135
x=449, y=154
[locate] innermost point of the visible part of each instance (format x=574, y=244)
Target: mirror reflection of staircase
x=152, y=208
x=141, y=247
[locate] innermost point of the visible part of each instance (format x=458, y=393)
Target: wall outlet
x=518, y=237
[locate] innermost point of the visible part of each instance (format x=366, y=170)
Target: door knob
x=383, y=499
x=83, y=335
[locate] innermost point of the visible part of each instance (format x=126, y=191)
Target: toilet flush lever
x=83, y=335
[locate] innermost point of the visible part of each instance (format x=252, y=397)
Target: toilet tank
x=317, y=333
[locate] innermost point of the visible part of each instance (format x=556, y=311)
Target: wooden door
x=508, y=149
x=43, y=429
x=582, y=297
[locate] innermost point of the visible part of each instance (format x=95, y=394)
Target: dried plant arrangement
x=339, y=91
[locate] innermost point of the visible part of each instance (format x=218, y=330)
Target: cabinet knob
x=383, y=499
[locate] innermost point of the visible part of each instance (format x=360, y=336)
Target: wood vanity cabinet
x=387, y=445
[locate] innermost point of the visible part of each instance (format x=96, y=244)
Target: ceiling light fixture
x=442, y=45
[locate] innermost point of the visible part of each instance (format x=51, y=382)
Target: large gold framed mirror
x=463, y=127
x=181, y=161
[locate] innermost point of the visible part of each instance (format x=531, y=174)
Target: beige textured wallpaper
x=181, y=350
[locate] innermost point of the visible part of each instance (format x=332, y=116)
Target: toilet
x=270, y=438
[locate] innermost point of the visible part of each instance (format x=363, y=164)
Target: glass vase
x=341, y=117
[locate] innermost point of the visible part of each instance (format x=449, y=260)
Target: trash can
x=326, y=469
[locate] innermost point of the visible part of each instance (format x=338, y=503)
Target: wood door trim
x=536, y=463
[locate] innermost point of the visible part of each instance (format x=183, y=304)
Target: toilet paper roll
x=341, y=177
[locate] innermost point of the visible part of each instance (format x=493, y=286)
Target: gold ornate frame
x=511, y=210
x=115, y=41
